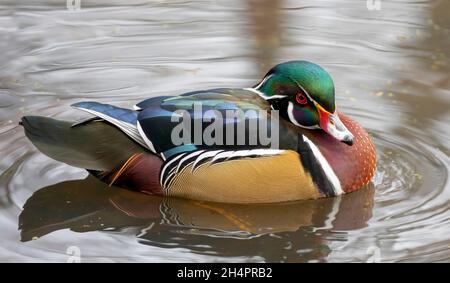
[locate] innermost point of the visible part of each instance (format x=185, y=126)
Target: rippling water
x=391, y=70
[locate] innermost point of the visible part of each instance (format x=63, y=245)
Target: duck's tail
x=96, y=145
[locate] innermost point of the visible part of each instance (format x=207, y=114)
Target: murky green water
x=391, y=70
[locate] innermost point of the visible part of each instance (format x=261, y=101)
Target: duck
x=214, y=145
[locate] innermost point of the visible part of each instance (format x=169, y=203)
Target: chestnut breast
x=354, y=165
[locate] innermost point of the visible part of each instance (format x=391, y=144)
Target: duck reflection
x=295, y=230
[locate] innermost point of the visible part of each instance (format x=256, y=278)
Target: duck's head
x=303, y=92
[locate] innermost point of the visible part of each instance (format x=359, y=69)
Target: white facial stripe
x=263, y=96
x=263, y=81
x=290, y=111
x=309, y=96
x=276, y=97
x=326, y=167
x=257, y=92
x=291, y=116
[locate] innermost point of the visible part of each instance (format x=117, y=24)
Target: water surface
x=391, y=71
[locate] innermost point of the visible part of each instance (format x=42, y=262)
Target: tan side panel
x=266, y=179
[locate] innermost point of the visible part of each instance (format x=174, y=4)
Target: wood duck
x=319, y=151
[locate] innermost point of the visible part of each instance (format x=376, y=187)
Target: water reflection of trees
x=426, y=103
x=264, y=27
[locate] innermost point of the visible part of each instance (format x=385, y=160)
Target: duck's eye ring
x=301, y=98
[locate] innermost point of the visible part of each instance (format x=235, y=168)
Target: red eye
x=301, y=98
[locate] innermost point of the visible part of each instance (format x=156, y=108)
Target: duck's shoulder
x=159, y=118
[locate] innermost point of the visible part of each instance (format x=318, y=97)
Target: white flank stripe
x=195, y=153
x=225, y=154
x=166, y=181
x=244, y=153
x=205, y=155
x=326, y=167
x=264, y=151
x=166, y=165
